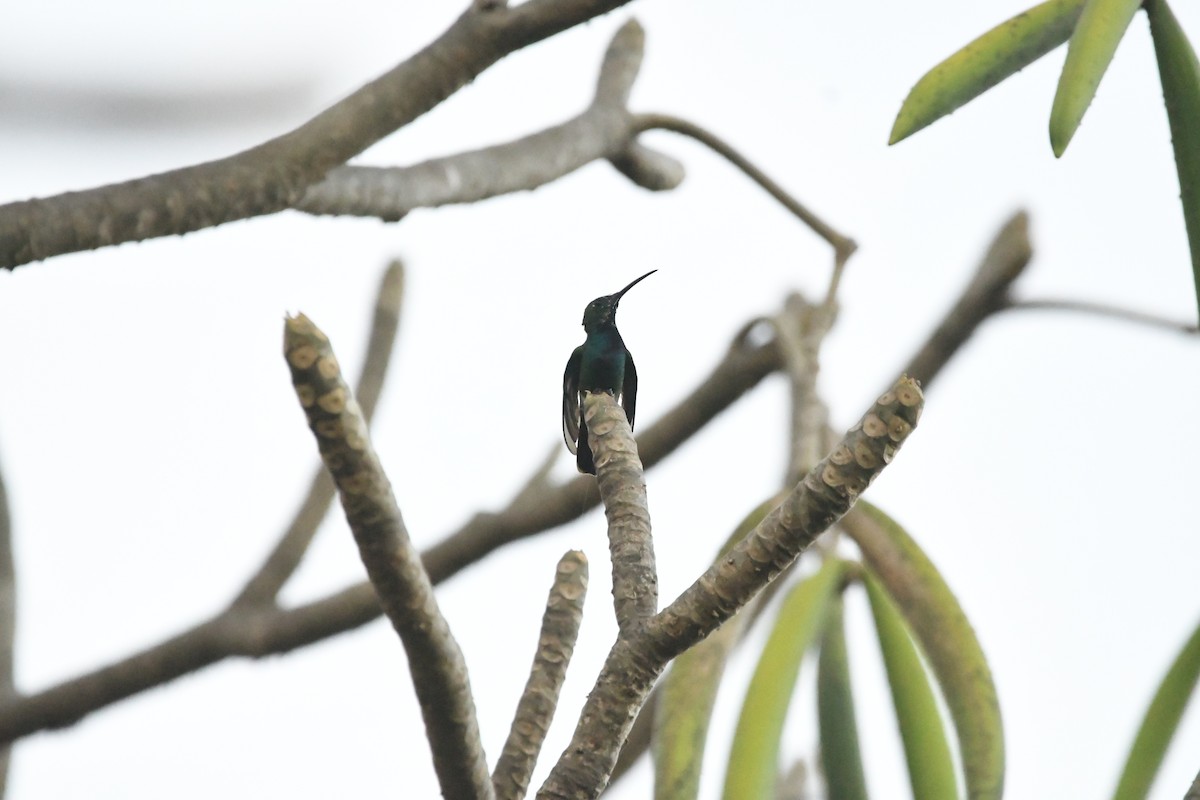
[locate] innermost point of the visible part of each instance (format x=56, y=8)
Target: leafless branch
x=274, y=175
x=842, y=245
x=623, y=487
x=987, y=293
x=264, y=586
x=8, y=619
x=435, y=662
x=535, y=711
x=1104, y=310
x=642, y=651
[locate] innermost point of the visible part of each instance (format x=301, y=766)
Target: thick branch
x=623, y=487
x=604, y=130
x=279, y=566
x=274, y=175
x=642, y=652
x=535, y=710
x=439, y=672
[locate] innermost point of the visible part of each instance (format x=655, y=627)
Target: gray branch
x=274, y=175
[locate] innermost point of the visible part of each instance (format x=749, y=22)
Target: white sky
x=153, y=449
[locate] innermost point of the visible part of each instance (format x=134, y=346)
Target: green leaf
x=1179, y=72
x=1095, y=40
x=1001, y=52
x=755, y=752
x=945, y=636
x=922, y=728
x=841, y=759
x=1160, y=722
x=689, y=690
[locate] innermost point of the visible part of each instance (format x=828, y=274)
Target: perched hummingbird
x=601, y=364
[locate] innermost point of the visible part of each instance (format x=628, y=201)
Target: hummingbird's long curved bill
x=635, y=282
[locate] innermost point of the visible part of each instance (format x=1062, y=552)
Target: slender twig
x=642, y=651
x=622, y=486
x=435, y=662
x=274, y=175
x=1103, y=310
x=8, y=619
x=843, y=245
x=987, y=293
x=535, y=710
x=279, y=566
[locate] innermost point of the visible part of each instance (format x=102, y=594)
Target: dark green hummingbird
x=601, y=364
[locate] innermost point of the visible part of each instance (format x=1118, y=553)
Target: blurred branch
x=987, y=293
x=622, y=486
x=843, y=245
x=604, y=130
x=435, y=662
x=265, y=585
x=1103, y=310
x=641, y=652
x=535, y=710
x=8, y=619
x=274, y=175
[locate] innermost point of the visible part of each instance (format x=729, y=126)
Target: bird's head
x=602, y=311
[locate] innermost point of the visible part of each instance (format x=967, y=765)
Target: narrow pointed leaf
x=1179, y=72
x=922, y=727
x=1095, y=40
x=1001, y=52
x=689, y=690
x=841, y=759
x=1161, y=721
x=946, y=638
x=753, y=759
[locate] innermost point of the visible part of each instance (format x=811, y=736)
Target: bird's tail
x=583, y=451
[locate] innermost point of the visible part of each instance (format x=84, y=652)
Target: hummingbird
x=601, y=364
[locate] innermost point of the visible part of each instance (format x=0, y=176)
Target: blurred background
x=153, y=449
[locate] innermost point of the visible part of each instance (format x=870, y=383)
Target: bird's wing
x=570, y=415
x=629, y=389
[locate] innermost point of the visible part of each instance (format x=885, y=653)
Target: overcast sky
x=153, y=448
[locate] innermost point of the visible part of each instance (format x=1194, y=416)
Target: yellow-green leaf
x=753, y=758
x=945, y=636
x=1160, y=722
x=1003, y=51
x=1179, y=73
x=1095, y=40
x=922, y=727
x=841, y=759
x=689, y=690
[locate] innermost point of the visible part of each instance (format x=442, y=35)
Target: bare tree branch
x=641, y=652
x=987, y=293
x=1103, y=310
x=843, y=245
x=535, y=710
x=274, y=175
x=622, y=484
x=8, y=619
x=264, y=586
x=604, y=130
x=435, y=662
